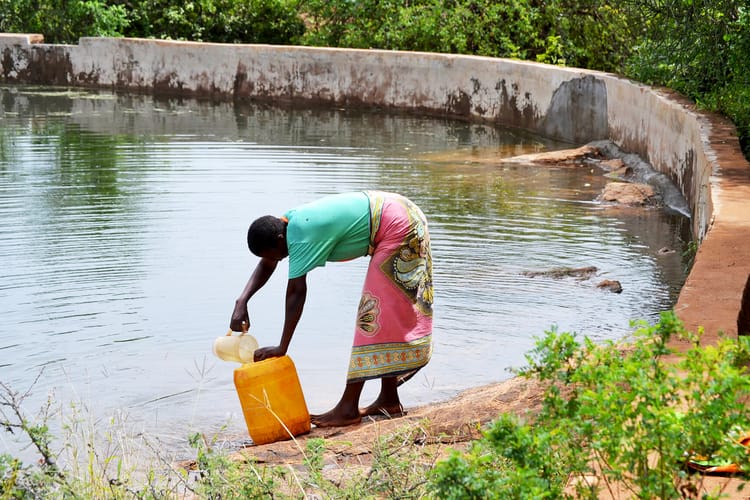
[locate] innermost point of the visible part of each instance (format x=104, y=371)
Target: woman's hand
x=268, y=352
x=240, y=321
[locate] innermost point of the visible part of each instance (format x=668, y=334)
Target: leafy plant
x=511, y=461
x=627, y=416
x=230, y=21
x=700, y=48
x=62, y=21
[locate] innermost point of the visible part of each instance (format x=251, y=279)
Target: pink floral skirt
x=393, y=336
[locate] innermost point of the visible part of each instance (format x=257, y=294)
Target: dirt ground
x=450, y=423
x=435, y=430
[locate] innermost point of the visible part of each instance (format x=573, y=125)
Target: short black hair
x=263, y=234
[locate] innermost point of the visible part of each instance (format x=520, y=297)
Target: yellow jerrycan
x=272, y=400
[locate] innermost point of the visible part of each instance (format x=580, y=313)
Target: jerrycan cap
x=238, y=348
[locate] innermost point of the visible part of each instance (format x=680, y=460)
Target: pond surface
x=122, y=249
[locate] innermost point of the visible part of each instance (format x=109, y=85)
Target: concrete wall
x=699, y=152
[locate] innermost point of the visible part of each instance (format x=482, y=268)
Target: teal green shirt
x=333, y=228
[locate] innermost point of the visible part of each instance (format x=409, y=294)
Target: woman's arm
x=296, y=293
x=240, y=319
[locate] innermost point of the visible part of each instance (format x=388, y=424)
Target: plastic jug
x=272, y=400
x=237, y=348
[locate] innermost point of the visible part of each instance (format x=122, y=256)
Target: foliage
x=592, y=34
x=558, y=32
x=21, y=481
x=398, y=470
x=400, y=464
x=83, y=466
x=733, y=101
x=700, y=48
x=220, y=477
x=16, y=479
x=511, y=461
x=473, y=27
x=230, y=21
x=628, y=417
x=693, y=44
x=63, y=21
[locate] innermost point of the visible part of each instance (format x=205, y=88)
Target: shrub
x=574, y=32
x=699, y=48
x=62, y=21
x=630, y=417
x=228, y=21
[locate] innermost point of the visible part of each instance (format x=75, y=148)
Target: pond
x=122, y=245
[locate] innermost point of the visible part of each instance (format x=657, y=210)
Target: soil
x=432, y=429
x=452, y=422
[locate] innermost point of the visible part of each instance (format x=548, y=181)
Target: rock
x=580, y=273
x=613, y=286
x=559, y=157
x=621, y=173
x=625, y=193
x=612, y=165
x=642, y=172
x=617, y=169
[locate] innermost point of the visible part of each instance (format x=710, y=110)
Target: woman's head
x=266, y=237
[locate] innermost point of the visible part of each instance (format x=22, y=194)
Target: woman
x=393, y=334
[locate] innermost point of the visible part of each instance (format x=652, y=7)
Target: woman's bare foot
x=333, y=418
x=379, y=409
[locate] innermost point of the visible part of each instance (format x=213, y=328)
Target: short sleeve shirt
x=332, y=228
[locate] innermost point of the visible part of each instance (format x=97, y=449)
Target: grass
x=94, y=458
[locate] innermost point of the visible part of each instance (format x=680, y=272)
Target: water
x=122, y=249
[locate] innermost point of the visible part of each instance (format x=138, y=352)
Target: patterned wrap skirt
x=393, y=335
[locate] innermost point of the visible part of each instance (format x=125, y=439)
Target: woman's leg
x=346, y=411
x=387, y=402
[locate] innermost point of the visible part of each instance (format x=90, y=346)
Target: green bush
x=575, y=32
x=227, y=21
x=231, y=21
x=629, y=416
x=63, y=21
x=700, y=48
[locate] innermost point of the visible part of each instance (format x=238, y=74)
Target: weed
x=220, y=477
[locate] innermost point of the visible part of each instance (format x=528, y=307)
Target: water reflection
x=122, y=225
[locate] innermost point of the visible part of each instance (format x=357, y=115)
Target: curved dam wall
x=699, y=152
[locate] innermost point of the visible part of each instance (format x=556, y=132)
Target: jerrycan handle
x=243, y=332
